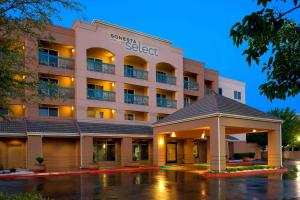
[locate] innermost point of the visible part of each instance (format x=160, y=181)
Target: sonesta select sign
x=133, y=45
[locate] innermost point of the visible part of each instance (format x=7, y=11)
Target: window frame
x=101, y=143
x=139, y=145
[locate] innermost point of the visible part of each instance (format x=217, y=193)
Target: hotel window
x=48, y=57
x=104, y=151
x=3, y=111
x=220, y=91
x=237, y=95
x=140, y=150
x=48, y=111
x=129, y=116
x=187, y=101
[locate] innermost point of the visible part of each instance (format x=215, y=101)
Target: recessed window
x=104, y=151
x=48, y=111
x=129, y=116
x=237, y=95
x=140, y=150
x=220, y=91
x=3, y=111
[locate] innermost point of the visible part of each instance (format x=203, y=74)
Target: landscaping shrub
x=21, y=197
x=252, y=167
x=40, y=160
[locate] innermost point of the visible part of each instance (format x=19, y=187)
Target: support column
x=34, y=149
x=159, y=150
x=218, y=152
x=126, y=151
x=86, y=150
x=188, y=157
x=274, y=148
x=208, y=149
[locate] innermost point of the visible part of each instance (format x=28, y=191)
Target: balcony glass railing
x=56, y=61
x=101, y=95
x=166, y=103
x=165, y=78
x=101, y=67
x=191, y=85
x=135, y=73
x=136, y=99
x=56, y=91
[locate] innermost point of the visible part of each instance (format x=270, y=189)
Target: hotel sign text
x=134, y=45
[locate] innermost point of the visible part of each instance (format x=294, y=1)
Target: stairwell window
x=237, y=95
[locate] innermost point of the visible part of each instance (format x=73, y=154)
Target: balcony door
x=171, y=152
x=129, y=98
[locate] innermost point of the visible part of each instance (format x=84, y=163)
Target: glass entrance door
x=171, y=152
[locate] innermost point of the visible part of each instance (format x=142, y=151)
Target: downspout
x=219, y=145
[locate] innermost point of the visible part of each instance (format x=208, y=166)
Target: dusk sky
x=201, y=28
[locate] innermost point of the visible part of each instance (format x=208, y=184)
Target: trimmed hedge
x=22, y=197
x=239, y=156
x=253, y=167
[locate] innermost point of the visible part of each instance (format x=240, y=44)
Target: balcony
x=135, y=73
x=165, y=78
x=190, y=85
x=101, y=95
x=55, y=91
x=208, y=91
x=166, y=103
x=56, y=61
x=102, y=67
x=136, y=99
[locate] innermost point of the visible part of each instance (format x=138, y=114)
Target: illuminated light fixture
x=254, y=130
x=23, y=77
x=161, y=141
x=73, y=50
x=23, y=106
x=113, y=84
x=72, y=79
x=298, y=139
x=113, y=111
x=104, y=146
x=203, y=135
x=23, y=47
x=72, y=107
x=173, y=134
x=112, y=58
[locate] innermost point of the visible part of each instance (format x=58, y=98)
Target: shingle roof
x=12, y=127
x=213, y=104
x=52, y=127
x=106, y=128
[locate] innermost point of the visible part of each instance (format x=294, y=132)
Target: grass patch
x=167, y=167
x=22, y=197
x=252, y=167
x=202, y=165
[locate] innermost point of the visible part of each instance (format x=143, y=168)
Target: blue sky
x=201, y=28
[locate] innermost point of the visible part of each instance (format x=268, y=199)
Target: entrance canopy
x=213, y=117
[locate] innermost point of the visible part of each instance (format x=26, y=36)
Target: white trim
x=115, y=135
x=220, y=115
x=219, y=145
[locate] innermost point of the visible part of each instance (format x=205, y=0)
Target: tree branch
x=291, y=10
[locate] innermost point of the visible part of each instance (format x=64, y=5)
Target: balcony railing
x=136, y=99
x=101, y=95
x=56, y=91
x=191, y=85
x=56, y=61
x=165, y=78
x=101, y=67
x=135, y=73
x=166, y=103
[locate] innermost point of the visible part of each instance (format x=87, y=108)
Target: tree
x=290, y=126
x=270, y=33
x=289, y=129
x=20, y=20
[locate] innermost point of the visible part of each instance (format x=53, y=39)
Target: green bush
x=252, y=167
x=39, y=159
x=21, y=197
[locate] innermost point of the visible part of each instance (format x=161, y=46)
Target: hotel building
x=104, y=87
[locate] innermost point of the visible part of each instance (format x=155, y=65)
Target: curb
x=244, y=173
x=15, y=176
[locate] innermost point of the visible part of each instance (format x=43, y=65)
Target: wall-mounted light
x=72, y=79
x=254, y=130
x=113, y=111
x=72, y=107
x=203, y=135
x=104, y=146
x=161, y=141
x=113, y=84
x=173, y=134
x=112, y=58
x=23, y=77
x=73, y=50
x=23, y=106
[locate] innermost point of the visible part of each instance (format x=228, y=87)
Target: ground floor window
x=195, y=150
x=140, y=150
x=104, y=151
